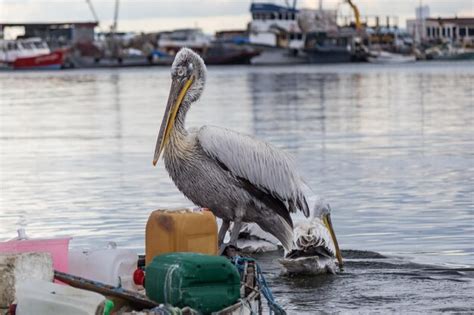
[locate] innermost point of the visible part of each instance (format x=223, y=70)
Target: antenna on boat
x=114, y=26
x=288, y=4
x=94, y=14
x=113, y=30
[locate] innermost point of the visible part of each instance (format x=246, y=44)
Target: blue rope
x=239, y=262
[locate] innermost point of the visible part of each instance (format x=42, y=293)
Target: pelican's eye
x=181, y=72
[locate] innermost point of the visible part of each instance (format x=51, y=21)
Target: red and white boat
x=30, y=53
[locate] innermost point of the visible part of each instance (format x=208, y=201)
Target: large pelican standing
x=241, y=179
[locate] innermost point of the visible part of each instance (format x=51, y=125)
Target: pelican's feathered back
x=257, y=162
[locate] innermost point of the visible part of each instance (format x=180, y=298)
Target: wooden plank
x=135, y=299
x=249, y=305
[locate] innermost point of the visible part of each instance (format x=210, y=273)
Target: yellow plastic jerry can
x=183, y=230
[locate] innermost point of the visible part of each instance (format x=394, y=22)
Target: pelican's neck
x=178, y=144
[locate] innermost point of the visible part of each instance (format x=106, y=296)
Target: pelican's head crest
x=321, y=208
x=188, y=65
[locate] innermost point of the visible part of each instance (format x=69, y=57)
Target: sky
x=210, y=15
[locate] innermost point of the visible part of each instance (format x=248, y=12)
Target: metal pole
x=96, y=18
x=115, y=44
x=116, y=15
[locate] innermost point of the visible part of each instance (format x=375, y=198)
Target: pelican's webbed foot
x=222, y=231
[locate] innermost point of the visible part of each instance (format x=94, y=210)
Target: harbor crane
x=354, y=8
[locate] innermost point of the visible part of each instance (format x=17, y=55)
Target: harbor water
x=390, y=147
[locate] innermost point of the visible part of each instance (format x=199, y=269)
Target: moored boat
x=278, y=56
x=329, y=48
x=52, y=60
x=274, y=30
x=29, y=54
x=449, y=52
x=388, y=57
x=213, y=52
x=287, y=35
x=229, y=54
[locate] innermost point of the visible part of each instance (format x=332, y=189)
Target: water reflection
x=388, y=147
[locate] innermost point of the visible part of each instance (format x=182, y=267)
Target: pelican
x=315, y=247
x=240, y=178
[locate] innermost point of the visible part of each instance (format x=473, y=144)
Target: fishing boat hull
x=390, y=58
x=458, y=56
x=231, y=57
x=328, y=56
x=51, y=61
x=278, y=56
x=252, y=304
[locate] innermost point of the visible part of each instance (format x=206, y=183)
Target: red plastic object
x=138, y=277
x=12, y=309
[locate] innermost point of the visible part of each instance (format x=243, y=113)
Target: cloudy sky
x=210, y=15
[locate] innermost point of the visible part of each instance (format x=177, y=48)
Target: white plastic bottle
x=45, y=298
x=113, y=266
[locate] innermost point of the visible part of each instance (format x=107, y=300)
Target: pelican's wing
x=266, y=171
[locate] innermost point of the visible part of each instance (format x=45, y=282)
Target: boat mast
x=114, y=26
x=94, y=14
x=115, y=46
x=288, y=4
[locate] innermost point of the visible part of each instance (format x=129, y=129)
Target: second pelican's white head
x=188, y=77
x=322, y=210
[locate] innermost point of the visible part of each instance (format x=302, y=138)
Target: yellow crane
x=356, y=14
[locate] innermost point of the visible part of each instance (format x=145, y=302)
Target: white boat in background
x=171, y=42
x=449, y=52
x=388, y=57
x=11, y=50
x=287, y=35
x=274, y=30
x=214, y=52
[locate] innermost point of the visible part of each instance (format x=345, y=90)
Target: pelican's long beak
x=328, y=223
x=177, y=92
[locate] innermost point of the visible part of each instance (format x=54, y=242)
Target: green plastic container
x=203, y=282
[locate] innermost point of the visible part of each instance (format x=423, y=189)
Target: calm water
x=390, y=147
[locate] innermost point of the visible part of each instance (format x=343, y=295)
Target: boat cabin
x=275, y=26
x=171, y=42
x=11, y=50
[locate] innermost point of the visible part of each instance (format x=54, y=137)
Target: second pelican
x=315, y=247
